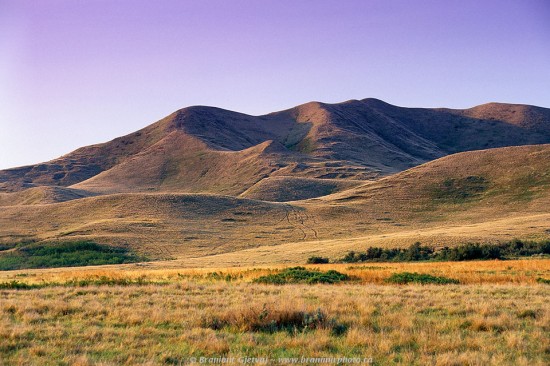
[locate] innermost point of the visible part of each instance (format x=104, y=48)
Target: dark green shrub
x=469, y=251
x=421, y=278
x=317, y=260
x=65, y=254
x=417, y=252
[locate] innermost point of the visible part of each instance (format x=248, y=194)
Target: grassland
x=497, y=315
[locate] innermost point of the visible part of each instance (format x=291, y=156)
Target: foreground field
x=498, y=315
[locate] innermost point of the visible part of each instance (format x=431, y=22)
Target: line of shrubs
x=470, y=251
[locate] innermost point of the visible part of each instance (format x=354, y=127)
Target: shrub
x=65, y=254
x=417, y=252
x=317, y=260
x=422, y=278
x=302, y=275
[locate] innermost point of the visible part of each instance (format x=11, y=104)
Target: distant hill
x=214, y=187
x=211, y=150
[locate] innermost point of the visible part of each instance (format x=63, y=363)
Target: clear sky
x=75, y=72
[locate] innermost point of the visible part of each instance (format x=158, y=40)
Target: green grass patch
x=91, y=281
x=459, y=190
x=65, y=254
x=16, y=285
x=303, y=275
x=421, y=278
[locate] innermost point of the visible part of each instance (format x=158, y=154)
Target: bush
x=465, y=252
x=65, y=254
x=415, y=252
x=302, y=275
x=422, y=278
x=317, y=260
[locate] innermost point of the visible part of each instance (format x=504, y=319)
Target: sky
x=75, y=72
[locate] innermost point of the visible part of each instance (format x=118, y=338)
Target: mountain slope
x=205, y=149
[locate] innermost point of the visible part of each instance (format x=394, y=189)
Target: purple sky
x=73, y=73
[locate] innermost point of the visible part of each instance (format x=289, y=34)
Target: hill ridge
x=356, y=139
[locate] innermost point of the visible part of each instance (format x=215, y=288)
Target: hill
x=489, y=195
x=210, y=150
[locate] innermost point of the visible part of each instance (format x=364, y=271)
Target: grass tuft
x=272, y=319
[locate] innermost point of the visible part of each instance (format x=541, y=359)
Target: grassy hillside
x=42, y=195
x=493, y=195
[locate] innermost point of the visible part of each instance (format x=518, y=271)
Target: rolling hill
x=208, y=186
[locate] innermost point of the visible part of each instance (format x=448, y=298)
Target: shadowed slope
x=486, y=126
x=285, y=188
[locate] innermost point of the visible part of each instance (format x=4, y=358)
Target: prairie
x=497, y=315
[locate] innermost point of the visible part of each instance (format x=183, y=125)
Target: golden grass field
x=498, y=315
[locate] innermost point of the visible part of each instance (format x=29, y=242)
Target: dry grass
x=498, y=315
x=525, y=271
x=408, y=325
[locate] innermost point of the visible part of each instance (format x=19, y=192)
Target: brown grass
x=491, y=324
x=524, y=272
